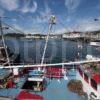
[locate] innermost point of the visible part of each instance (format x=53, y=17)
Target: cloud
x=47, y=12
x=22, y=29
x=40, y=19
x=63, y=30
x=72, y=4
x=86, y=25
x=9, y=5
x=27, y=8
x=81, y=25
x=12, y=5
x=1, y=12
x=17, y=28
x=44, y=15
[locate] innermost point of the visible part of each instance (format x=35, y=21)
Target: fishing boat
x=45, y=81
x=89, y=74
x=98, y=48
x=95, y=43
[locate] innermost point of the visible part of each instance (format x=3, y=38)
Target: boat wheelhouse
x=89, y=74
x=35, y=81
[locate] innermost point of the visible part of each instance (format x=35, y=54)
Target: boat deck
x=55, y=90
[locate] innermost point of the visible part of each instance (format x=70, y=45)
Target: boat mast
x=3, y=40
x=52, y=21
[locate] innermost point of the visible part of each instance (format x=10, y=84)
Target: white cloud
x=24, y=30
x=72, y=4
x=47, y=12
x=26, y=8
x=86, y=25
x=34, y=8
x=9, y=5
x=18, y=27
x=40, y=19
x=1, y=12
x=81, y=25
x=12, y=5
x=63, y=30
x=44, y=15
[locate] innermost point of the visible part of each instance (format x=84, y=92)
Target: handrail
x=54, y=64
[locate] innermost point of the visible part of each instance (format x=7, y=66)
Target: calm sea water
x=57, y=51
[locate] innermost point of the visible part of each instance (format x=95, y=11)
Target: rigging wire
x=16, y=17
x=13, y=28
x=63, y=26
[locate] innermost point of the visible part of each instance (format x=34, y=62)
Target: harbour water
x=57, y=50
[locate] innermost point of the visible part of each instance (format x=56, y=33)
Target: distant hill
x=14, y=35
x=97, y=32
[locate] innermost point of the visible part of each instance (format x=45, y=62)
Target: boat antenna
x=52, y=21
x=3, y=40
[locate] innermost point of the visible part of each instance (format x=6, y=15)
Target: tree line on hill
x=18, y=35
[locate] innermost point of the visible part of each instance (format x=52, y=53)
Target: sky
x=31, y=16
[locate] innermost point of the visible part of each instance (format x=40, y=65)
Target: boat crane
x=52, y=21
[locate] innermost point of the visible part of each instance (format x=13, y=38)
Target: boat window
x=94, y=84
x=33, y=85
x=86, y=77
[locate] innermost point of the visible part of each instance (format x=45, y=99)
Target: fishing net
x=75, y=86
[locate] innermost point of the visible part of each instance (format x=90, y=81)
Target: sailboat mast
x=3, y=40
